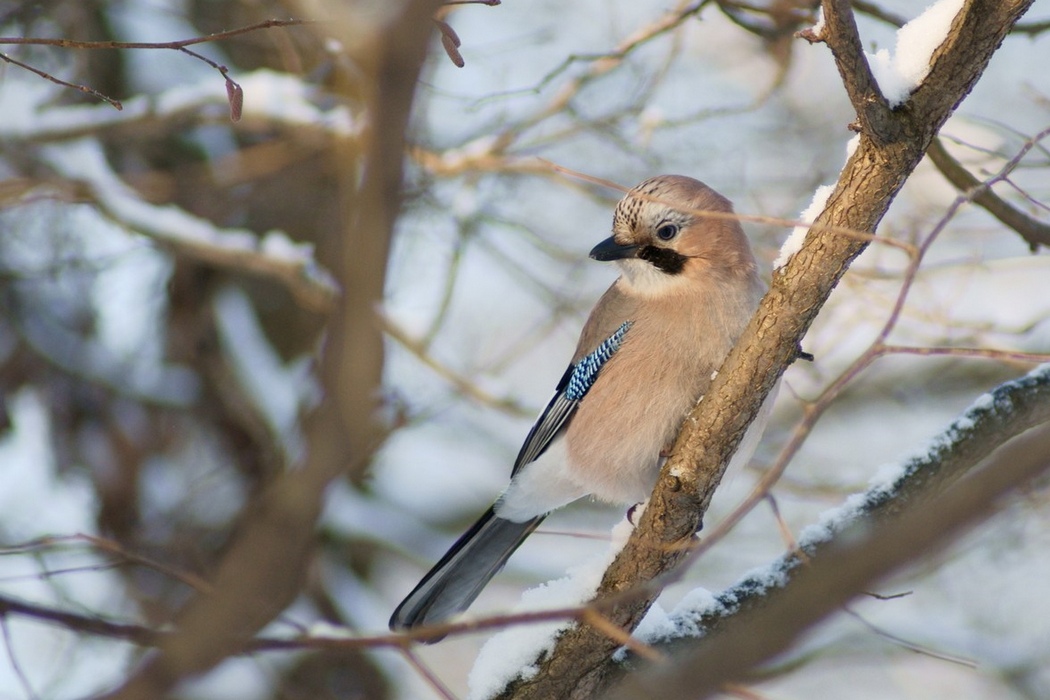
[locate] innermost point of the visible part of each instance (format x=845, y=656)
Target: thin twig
x=1033, y=231
x=234, y=89
x=741, y=691
x=790, y=542
x=189, y=579
x=461, y=383
x=911, y=646
x=621, y=636
x=424, y=670
x=64, y=83
x=178, y=44
x=989, y=353
x=19, y=671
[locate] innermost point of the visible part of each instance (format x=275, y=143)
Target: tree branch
x=1036, y=233
x=450, y=41
x=841, y=36
x=239, y=250
x=64, y=83
x=178, y=45
x=899, y=524
x=1002, y=415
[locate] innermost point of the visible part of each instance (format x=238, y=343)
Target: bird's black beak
x=609, y=249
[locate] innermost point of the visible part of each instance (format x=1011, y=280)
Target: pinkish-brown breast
x=636, y=405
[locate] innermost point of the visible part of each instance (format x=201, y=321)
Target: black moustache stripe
x=663, y=259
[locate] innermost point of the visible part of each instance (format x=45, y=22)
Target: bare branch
x=76, y=86
x=78, y=623
x=841, y=35
x=12, y=658
x=178, y=45
x=1036, y=233
x=461, y=383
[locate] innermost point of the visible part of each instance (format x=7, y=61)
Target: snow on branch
x=990, y=421
x=901, y=72
x=847, y=565
x=274, y=255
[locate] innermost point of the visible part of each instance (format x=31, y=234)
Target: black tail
x=455, y=581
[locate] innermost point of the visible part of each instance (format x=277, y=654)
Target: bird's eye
x=666, y=232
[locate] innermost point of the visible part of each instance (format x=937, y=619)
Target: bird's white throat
x=646, y=280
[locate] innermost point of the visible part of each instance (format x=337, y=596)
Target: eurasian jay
x=647, y=354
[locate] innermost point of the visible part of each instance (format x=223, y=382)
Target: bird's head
x=663, y=240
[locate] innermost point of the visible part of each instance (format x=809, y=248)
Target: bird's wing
x=574, y=385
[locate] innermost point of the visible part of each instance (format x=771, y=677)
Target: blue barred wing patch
x=586, y=370
x=576, y=381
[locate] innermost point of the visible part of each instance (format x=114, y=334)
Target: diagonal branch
x=998, y=417
x=840, y=33
x=1036, y=233
x=871, y=549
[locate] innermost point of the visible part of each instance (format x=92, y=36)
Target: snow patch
x=511, y=654
x=276, y=390
x=900, y=73
x=798, y=236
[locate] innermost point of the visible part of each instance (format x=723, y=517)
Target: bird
x=646, y=355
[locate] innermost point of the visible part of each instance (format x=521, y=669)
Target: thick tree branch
x=860, y=557
x=885, y=157
x=1005, y=413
